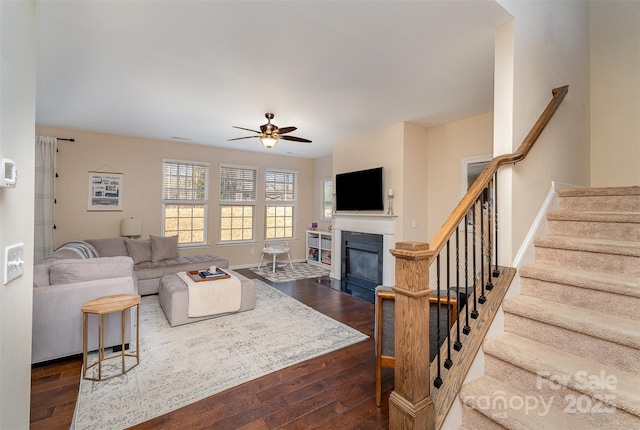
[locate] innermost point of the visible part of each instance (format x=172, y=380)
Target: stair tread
x=623, y=331
x=610, y=282
x=605, y=246
x=535, y=357
x=599, y=191
x=594, y=216
x=543, y=417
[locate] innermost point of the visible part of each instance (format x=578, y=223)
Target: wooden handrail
x=449, y=226
x=411, y=404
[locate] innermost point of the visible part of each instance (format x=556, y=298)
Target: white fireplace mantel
x=382, y=224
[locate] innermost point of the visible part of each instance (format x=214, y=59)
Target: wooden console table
x=101, y=307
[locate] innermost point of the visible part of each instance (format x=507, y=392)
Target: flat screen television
x=360, y=191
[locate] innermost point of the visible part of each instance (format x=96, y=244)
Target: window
x=237, y=203
x=280, y=195
x=327, y=198
x=471, y=167
x=185, y=199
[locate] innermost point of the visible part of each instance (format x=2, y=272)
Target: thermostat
x=9, y=173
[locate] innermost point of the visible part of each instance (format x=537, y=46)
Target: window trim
x=464, y=169
x=222, y=203
x=283, y=203
x=465, y=162
x=295, y=187
x=205, y=203
x=237, y=166
x=322, y=201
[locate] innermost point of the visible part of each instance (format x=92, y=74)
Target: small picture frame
x=105, y=191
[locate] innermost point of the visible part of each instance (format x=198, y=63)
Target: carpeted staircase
x=570, y=354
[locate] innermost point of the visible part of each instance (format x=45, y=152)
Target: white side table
x=275, y=251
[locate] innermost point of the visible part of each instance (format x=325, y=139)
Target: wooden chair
x=385, y=329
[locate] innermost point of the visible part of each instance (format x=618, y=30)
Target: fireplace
x=362, y=264
x=383, y=226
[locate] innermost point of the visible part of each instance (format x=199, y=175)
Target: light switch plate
x=13, y=262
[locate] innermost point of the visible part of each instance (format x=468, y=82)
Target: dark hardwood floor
x=336, y=390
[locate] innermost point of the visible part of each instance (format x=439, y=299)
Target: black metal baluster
x=482, y=299
x=448, y=362
x=496, y=270
x=489, y=189
x=474, y=313
x=466, y=329
x=437, y=382
x=457, y=345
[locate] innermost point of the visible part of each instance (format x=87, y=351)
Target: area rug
x=187, y=363
x=284, y=273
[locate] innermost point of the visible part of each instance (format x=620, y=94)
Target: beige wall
x=448, y=145
x=378, y=148
x=322, y=169
x=17, y=118
x=412, y=156
x=549, y=48
x=615, y=93
x=422, y=165
x=140, y=160
x=415, y=195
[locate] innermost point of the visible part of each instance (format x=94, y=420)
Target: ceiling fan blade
x=240, y=138
x=247, y=129
x=295, y=139
x=284, y=130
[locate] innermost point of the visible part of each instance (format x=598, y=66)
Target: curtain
x=45, y=177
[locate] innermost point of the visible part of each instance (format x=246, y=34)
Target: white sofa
x=62, y=283
x=154, y=258
x=85, y=270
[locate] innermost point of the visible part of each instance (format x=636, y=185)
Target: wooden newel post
x=410, y=406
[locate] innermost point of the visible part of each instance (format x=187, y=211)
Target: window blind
x=280, y=186
x=237, y=184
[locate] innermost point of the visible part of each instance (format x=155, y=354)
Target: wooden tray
x=195, y=276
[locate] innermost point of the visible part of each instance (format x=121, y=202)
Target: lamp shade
x=130, y=227
x=268, y=141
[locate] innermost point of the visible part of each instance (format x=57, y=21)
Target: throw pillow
x=139, y=250
x=164, y=248
x=110, y=247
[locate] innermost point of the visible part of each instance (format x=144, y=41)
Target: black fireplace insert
x=361, y=266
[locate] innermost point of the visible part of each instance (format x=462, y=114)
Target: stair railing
x=413, y=404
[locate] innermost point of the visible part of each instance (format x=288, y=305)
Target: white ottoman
x=174, y=299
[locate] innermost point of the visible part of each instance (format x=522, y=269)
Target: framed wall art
x=105, y=191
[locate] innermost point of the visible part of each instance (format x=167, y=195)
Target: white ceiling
x=192, y=69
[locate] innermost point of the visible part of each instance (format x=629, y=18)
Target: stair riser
x=562, y=398
x=475, y=420
x=588, y=261
x=595, y=230
x=601, y=203
x=599, y=350
x=599, y=301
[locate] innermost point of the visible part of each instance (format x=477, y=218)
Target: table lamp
x=131, y=227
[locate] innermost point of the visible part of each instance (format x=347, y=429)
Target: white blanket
x=212, y=297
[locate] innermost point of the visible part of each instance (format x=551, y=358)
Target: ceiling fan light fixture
x=269, y=141
x=270, y=134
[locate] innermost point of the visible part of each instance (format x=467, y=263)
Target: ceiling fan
x=269, y=134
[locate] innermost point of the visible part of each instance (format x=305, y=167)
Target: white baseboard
x=539, y=226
